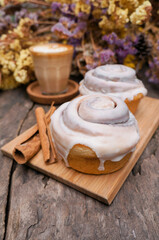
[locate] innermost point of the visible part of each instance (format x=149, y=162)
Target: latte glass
x=52, y=65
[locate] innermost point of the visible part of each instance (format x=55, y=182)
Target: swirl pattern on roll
x=116, y=79
x=102, y=123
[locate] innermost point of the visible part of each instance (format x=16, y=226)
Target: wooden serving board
x=104, y=187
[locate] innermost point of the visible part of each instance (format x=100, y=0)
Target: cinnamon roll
x=117, y=80
x=94, y=134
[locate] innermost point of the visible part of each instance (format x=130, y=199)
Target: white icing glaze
x=49, y=48
x=105, y=111
x=117, y=80
x=71, y=124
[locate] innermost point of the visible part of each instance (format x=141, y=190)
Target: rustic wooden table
x=33, y=206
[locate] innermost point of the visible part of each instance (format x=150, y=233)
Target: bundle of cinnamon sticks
x=39, y=137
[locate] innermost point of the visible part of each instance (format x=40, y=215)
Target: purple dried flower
x=83, y=16
x=119, y=42
x=122, y=47
x=156, y=61
x=121, y=54
x=110, y=39
x=8, y=19
x=24, y=13
x=113, y=39
x=151, y=64
x=20, y=14
x=154, y=79
x=67, y=21
x=2, y=13
x=5, y=21
x=59, y=27
x=106, y=55
x=153, y=72
x=92, y=66
x=158, y=45
x=72, y=6
x=87, y=2
x=147, y=73
x=81, y=27
x=104, y=11
x=55, y=6
x=2, y=26
x=65, y=8
x=33, y=16
x=96, y=55
x=128, y=47
x=74, y=41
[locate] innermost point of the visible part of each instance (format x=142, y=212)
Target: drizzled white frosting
x=100, y=122
x=116, y=79
x=50, y=48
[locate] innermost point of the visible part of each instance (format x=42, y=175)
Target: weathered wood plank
x=42, y=208
x=14, y=106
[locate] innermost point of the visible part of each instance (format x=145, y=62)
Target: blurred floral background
x=101, y=31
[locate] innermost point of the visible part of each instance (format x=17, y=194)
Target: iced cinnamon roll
x=94, y=134
x=117, y=80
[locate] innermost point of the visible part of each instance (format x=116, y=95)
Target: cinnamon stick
x=29, y=144
x=52, y=148
x=44, y=138
x=25, y=151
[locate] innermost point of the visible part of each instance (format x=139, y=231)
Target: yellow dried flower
x=85, y=8
x=5, y=70
x=111, y=7
x=11, y=65
x=131, y=5
x=123, y=11
x=130, y=61
x=82, y=7
x=141, y=1
x=95, y=4
x=8, y=82
x=15, y=57
x=3, y=37
x=2, y=2
x=24, y=65
x=62, y=1
x=104, y=3
x=15, y=45
x=25, y=59
x=23, y=27
x=116, y=22
x=141, y=14
x=121, y=17
x=21, y=76
x=7, y=62
x=97, y=13
x=106, y=24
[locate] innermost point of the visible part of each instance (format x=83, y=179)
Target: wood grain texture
x=10, y=125
x=42, y=208
x=104, y=187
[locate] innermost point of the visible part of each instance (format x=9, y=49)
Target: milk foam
x=50, y=48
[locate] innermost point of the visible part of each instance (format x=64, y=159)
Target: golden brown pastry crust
x=132, y=105
x=84, y=159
